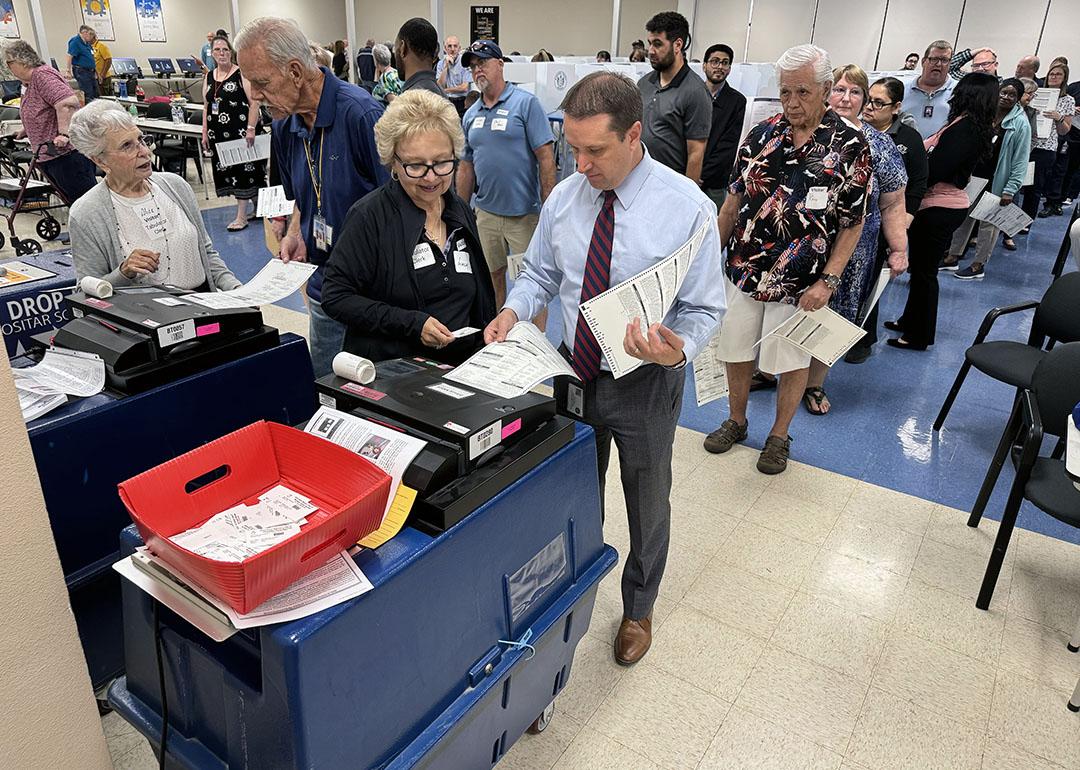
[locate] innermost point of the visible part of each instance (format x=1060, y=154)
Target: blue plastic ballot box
x=32, y=297
x=86, y=447
x=430, y=668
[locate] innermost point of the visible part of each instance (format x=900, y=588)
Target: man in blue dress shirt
x=622, y=213
x=81, y=62
x=323, y=145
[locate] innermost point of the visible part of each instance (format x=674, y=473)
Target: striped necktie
x=587, y=355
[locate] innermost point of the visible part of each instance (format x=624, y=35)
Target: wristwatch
x=832, y=281
x=680, y=365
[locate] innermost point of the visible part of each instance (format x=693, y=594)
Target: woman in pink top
x=952, y=153
x=46, y=109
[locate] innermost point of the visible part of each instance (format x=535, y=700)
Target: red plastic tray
x=350, y=491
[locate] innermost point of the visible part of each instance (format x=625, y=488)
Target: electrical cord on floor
x=159, y=649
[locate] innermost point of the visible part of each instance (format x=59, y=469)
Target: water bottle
x=177, y=112
x=134, y=112
x=121, y=87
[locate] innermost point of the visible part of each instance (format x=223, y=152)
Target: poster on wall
x=484, y=22
x=9, y=25
x=97, y=14
x=151, y=21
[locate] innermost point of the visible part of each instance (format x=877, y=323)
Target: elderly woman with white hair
x=46, y=108
x=408, y=269
x=137, y=227
x=387, y=82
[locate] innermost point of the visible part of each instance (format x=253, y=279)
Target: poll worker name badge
x=460, y=245
x=215, y=107
x=928, y=111
x=498, y=124
x=462, y=262
x=422, y=256
x=817, y=198
x=478, y=122
x=575, y=399
x=324, y=233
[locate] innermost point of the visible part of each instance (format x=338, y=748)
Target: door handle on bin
x=485, y=666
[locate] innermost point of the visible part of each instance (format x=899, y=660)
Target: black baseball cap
x=481, y=49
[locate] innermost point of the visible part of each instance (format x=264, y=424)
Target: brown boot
x=633, y=640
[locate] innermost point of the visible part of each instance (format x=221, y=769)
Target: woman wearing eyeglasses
x=137, y=227
x=407, y=270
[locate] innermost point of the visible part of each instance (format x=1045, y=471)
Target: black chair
x=1044, y=410
x=1057, y=319
x=1063, y=252
x=175, y=151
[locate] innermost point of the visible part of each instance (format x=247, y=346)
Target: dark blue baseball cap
x=481, y=49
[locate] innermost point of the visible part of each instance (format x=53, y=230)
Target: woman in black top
x=953, y=153
x=407, y=271
x=884, y=111
x=340, y=62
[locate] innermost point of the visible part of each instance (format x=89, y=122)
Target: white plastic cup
x=354, y=368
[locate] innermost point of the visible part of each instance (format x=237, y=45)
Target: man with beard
x=927, y=97
x=728, y=110
x=508, y=161
x=678, y=108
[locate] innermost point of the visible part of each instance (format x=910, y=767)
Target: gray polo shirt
x=680, y=111
x=930, y=109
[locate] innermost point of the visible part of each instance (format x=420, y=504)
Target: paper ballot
x=389, y=449
x=273, y=203
x=879, y=289
x=975, y=186
x=36, y=400
x=276, y=281
x=237, y=151
x=710, y=373
x=649, y=295
x=1009, y=219
x=1044, y=100
x=824, y=334
x=512, y=368
x=66, y=371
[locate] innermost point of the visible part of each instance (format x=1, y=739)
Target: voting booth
x=464, y=640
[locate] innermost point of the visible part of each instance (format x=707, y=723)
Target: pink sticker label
x=511, y=429
x=98, y=302
x=202, y=331
x=360, y=390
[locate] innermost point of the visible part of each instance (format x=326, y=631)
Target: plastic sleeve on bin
x=536, y=575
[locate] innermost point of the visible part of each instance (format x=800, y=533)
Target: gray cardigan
x=95, y=240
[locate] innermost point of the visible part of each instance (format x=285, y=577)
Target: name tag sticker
x=817, y=198
x=462, y=262
x=498, y=124
x=422, y=256
x=478, y=122
x=502, y=112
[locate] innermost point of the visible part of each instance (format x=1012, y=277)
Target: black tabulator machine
x=163, y=68
x=191, y=67
x=478, y=443
x=149, y=336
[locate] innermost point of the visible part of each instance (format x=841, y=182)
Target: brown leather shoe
x=633, y=640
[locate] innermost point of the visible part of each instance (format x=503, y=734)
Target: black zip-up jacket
x=370, y=284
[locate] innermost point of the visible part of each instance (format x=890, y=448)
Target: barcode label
x=176, y=333
x=485, y=439
x=328, y=400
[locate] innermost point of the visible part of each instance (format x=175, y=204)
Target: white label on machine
x=485, y=439
x=328, y=400
x=176, y=333
x=449, y=390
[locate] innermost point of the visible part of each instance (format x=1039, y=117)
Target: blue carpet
x=879, y=429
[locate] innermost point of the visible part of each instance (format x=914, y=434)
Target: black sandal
x=760, y=381
x=814, y=398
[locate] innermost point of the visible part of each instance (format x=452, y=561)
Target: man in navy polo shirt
x=508, y=161
x=81, y=62
x=324, y=148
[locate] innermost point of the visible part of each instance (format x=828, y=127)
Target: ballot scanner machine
x=477, y=443
x=465, y=640
x=161, y=400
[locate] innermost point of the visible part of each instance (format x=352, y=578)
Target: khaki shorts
x=747, y=321
x=500, y=236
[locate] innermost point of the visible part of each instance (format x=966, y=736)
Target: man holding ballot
x=619, y=215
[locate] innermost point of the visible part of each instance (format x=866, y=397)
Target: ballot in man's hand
x=659, y=345
x=140, y=262
x=293, y=247
x=497, y=330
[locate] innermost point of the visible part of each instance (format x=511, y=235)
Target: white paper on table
x=237, y=151
x=513, y=367
x=1044, y=100
x=1009, y=219
x=35, y=399
x=975, y=186
x=273, y=203
x=824, y=334
x=1029, y=176
x=67, y=371
x=336, y=581
x=879, y=289
x=649, y=296
x=20, y=272
x=390, y=450
x=710, y=373
x=276, y=281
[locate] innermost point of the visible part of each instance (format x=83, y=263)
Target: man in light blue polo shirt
x=452, y=76
x=323, y=145
x=926, y=97
x=508, y=161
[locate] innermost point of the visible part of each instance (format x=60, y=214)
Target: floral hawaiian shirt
x=794, y=202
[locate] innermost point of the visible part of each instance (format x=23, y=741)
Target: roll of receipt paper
x=354, y=368
x=96, y=287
